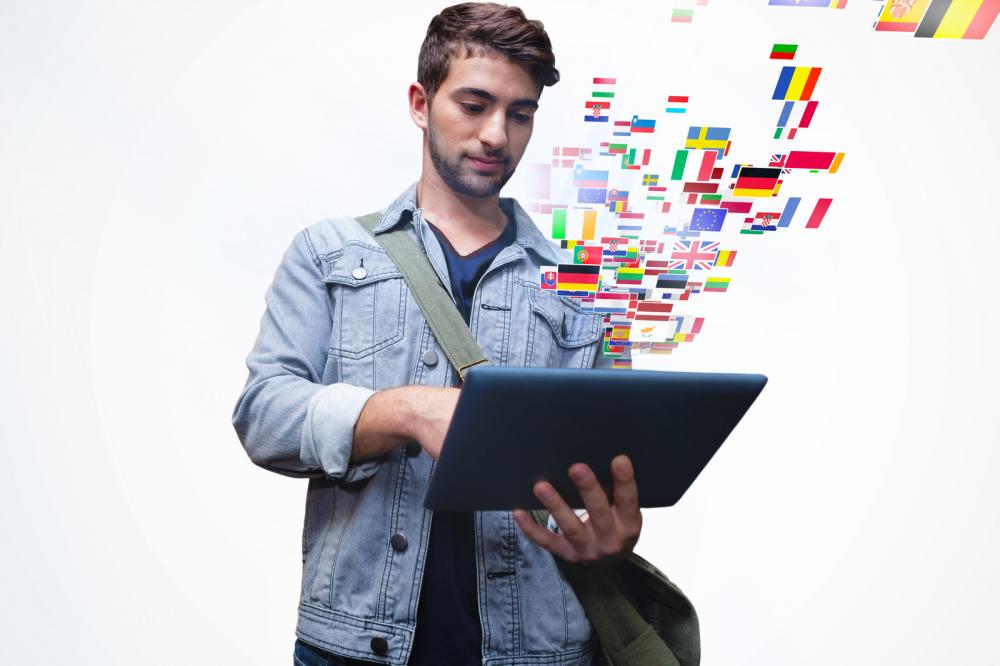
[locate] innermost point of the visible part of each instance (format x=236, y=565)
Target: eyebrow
x=490, y=97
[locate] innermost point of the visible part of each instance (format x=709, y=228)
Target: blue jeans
x=309, y=655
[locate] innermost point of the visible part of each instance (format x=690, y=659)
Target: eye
x=472, y=108
x=522, y=117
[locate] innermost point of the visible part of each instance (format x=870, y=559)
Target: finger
x=544, y=537
x=569, y=524
x=626, y=493
x=595, y=500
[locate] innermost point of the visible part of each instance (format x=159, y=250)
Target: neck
x=470, y=220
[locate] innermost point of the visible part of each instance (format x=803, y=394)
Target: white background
x=157, y=158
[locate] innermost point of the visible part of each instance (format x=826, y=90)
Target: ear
x=420, y=105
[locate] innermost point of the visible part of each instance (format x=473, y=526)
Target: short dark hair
x=476, y=28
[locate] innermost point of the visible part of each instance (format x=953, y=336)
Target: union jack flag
x=694, y=255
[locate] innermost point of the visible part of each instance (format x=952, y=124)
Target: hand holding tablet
x=514, y=427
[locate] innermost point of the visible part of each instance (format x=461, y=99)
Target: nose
x=493, y=131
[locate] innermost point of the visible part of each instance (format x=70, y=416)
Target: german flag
x=578, y=278
x=756, y=182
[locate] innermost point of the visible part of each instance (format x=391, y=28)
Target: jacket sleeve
x=286, y=419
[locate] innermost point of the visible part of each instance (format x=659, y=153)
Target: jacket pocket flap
x=571, y=325
x=359, y=264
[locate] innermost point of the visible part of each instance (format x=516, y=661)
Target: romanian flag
x=796, y=83
x=958, y=19
x=725, y=258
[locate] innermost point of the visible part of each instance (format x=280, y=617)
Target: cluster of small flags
x=938, y=19
x=644, y=224
x=599, y=104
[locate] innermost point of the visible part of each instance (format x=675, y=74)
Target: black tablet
x=515, y=426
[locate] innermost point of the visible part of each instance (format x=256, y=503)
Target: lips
x=485, y=163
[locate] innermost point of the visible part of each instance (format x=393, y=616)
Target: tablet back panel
x=514, y=426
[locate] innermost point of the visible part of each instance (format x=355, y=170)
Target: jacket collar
x=527, y=234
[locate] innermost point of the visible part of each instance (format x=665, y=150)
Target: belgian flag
x=958, y=19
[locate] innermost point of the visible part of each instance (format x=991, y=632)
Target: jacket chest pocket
x=560, y=333
x=369, y=301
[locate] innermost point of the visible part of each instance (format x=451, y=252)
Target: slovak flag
x=548, y=277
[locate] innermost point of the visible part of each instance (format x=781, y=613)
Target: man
x=348, y=387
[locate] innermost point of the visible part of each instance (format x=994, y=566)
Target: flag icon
x=589, y=177
x=958, y=19
x=643, y=125
x=676, y=104
x=796, y=83
x=756, y=182
x=708, y=219
x=901, y=15
x=725, y=258
x=783, y=51
x=591, y=195
x=587, y=254
x=694, y=255
x=577, y=279
x=548, y=277
x=717, y=284
x=708, y=138
x=651, y=179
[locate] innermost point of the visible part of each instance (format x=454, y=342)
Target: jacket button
x=359, y=273
x=379, y=645
x=398, y=542
x=413, y=449
x=429, y=357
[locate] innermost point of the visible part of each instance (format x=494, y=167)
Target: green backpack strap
x=627, y=639
x=442, y=316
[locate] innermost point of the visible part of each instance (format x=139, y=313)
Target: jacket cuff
x=328, y=432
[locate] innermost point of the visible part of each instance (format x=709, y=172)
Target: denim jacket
x=340, y=323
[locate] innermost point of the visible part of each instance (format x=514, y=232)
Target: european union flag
x=591, y=195
x=708, y=219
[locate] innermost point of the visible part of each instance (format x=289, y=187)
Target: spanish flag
x=901, y=16
x=958, y=19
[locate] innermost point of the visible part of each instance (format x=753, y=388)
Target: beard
x=462, y=179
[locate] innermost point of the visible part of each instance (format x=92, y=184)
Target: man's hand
x=393, y=417
x=432, y=411
x=609, y=532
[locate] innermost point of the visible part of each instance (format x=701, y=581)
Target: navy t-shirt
x=448, y=630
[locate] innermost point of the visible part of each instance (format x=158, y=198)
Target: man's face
x=479, y=123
